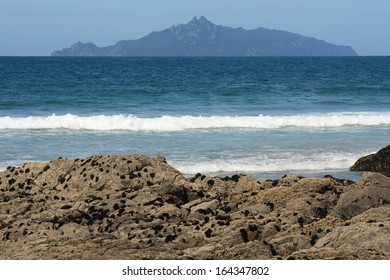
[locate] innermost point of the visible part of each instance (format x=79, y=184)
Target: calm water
x=261, y=116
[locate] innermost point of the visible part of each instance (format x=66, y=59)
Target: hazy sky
x=37, y=27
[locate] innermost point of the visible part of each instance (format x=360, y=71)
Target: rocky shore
x=136, y=207
x=378, y=162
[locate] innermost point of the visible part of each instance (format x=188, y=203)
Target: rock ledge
x=136, y=207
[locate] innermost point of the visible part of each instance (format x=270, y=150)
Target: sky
x=38, y=27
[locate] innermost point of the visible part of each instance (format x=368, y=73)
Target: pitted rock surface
x=137, y=207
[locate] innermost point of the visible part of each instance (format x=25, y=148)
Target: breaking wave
x=181, y=123
x=309, y=163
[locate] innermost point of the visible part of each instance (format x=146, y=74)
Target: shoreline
x=137, y=207
x=258, y=175
x=344, y=174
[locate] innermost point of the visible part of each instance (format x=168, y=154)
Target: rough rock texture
x=136, y=207
x=379, y=162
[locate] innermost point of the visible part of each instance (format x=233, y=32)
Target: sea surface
x=265, y=117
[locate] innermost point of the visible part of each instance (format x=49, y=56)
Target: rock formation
x=379, y=162
x=136, y=207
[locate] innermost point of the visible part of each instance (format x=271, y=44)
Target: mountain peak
x=201, y=21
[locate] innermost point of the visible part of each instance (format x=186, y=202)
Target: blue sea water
x=265, y=117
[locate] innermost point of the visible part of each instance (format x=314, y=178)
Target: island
x=201, y=37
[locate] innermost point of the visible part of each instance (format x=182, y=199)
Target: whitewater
x=180, y=123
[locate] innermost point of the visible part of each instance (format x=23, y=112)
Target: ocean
x=265, y=117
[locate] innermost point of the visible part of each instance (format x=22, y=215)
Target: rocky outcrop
x=372, y=191
x=136, y=207
x=379, y=162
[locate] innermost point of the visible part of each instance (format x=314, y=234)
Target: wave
x=180, y=123
x=335, y=162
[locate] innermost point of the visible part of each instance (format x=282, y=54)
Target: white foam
x=321, y=163
x=15, y=163
x=180, y=123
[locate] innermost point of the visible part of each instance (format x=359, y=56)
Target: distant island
x=201, y=37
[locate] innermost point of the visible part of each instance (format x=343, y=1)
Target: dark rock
x=244, y=235
x=235, y=178
x=170, y=238
x=210, y=182
x=379, y=162
x=344, y=182
x=301, y=221
x=208, y=233
x=158, y=227
x=270, y=205
x=321, y=212
x=253, y=227
x=11, y=181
